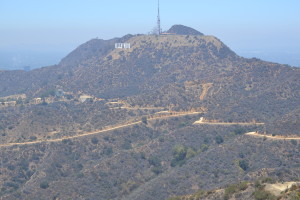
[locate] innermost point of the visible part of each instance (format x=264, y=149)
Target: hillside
x=265, y=188
x=116, y=123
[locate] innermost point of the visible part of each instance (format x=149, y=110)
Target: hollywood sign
x=122, y=45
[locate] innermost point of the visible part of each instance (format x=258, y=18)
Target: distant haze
x=41, y=33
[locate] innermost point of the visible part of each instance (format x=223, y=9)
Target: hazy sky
x=257, y=26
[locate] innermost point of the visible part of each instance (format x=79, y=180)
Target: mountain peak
x=183, y=30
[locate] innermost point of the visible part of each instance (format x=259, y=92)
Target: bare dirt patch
x=277, y=188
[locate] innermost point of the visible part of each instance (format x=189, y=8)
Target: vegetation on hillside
x=160, y=155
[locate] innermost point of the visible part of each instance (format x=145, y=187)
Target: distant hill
x=118, y=123
x=232, y=88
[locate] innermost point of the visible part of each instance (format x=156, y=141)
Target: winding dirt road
x=174, y=114
x=276, y=137
x=229, y=123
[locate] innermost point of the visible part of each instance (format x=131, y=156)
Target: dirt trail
x=276, y=137
x=174, y=114
x=202, y=120
x=138, y=108
x=229, y=123
x=205, y=88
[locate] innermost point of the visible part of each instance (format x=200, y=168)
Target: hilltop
x=119, y=123
x=183, y=30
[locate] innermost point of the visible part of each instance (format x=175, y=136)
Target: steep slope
x=238, y=159
x=140, y=162
x=97, y=48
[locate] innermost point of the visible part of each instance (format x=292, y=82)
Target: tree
x=179, y=152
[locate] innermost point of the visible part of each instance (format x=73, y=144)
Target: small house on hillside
x=36, y=101
x=84, y=98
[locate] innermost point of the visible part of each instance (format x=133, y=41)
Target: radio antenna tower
x=158, y=21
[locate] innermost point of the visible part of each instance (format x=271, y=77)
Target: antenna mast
x=158, y=21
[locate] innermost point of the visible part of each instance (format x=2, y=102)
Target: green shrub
x=67, y=141
x=143, y=155
x=182, y=124
x=234, y=188
x=94, y=140
x=230, y=190
x=24, y=164
x=11, y=167
x=204, y=147
x=244, y=165
x=190, y=153
x=261, y=194
x=156, y=170
x=267, y=180
x=127, y=145
x=108, y=151
x=48, y=93
x=12, y=185
x=144, y=120
x=155, y=161
x=257, y=184
x=44, y=185
x=32, y=138
x=181, y=154
x=129, y=186
x=239, y=131
x=294, y=142
x=219, y=139
x=199, y=194
x=106, y=138
x=243, y=186
x=174, y=163
x=29, y=173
